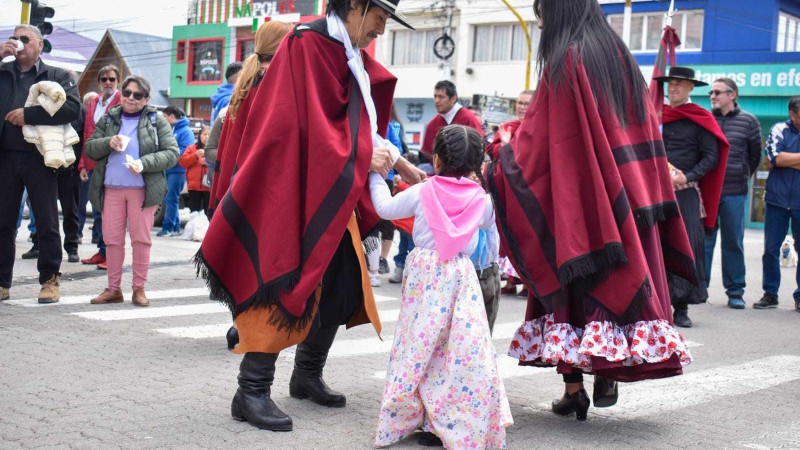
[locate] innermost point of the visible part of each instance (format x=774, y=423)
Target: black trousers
x=20, y=170
x=69, y=191
x=198, y=201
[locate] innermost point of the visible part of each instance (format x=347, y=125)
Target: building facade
x=217, y=33
x=755, y=43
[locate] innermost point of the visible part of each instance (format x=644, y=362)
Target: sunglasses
x=136, y=95
x=716, y=92
x=107, y=79
x=23, y=39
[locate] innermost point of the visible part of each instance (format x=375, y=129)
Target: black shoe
x=73, y=257
x=605, y=392
x=232, y=336
x=94, y=239
x=309, y=360
x=681, y=318
x=428, y=439
x=383, y=266
x=768, y=301
x=252, y=402
x=31, y=254
x=577, y=403
x=523, y=293
x=797, y=304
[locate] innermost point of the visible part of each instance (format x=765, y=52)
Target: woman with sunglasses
x=133, y=146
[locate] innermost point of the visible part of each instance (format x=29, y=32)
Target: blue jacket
x=185, y=137
x=783, y=184
x=220, y=99
x=393, y=136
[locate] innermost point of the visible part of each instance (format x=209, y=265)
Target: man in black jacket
x=744, y=134
x=21, y=164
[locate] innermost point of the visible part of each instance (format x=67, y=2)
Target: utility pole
x=626, y=23
x=446, y=66
x=25, y=16
x=527, y=40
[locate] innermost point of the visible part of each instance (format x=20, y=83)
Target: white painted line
x=149, y=313
x=651, y=398
x=79, y=299
x=383, y=298
x=198, y=332
x=508, y=367
x=219, y=330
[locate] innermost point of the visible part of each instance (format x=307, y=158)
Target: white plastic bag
x=195, y=229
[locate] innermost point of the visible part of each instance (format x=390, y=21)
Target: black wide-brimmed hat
x=390, y=6
x=682, y=73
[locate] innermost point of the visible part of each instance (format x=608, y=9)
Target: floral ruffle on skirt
x=542, y=341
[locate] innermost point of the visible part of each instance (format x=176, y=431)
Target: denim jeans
x=405, y=247
x=730, y=224
x=172, y=220
x=32, y=223
x=83, y=200
x=776, y=225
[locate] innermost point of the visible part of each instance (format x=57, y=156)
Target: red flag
x=669, y=41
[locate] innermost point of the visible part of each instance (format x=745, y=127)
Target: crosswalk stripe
x=507, y=367
x=219, y=330
x=654, y=397
x=153, y=312
x=79, y=299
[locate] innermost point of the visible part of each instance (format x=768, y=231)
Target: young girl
x=194, y=161
x=442, y=373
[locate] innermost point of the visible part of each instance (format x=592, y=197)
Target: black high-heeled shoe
x=605, y=392
x=577, y=403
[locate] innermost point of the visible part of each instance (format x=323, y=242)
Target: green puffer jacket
x=158, y=151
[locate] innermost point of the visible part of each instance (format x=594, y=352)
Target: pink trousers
x=122, y=208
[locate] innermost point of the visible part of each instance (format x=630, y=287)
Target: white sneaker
x=375, y=279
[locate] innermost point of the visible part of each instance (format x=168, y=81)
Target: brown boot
x=50, y=292
x=5, y=293
x=139, y=299
x=108, y=296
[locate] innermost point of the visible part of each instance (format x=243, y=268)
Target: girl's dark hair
x=342, y=7
x=581, y=26
x=461, y=150
x=199, y=143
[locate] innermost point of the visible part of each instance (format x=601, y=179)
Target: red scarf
x=711, y=183
x=572, y=191
x=304, y=147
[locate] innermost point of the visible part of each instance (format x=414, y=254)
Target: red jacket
x=196, y=168
x=88, y=128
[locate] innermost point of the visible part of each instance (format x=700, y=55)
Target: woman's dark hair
x=141, y=82
x=581, y=26
x=342, y=7
x=461, y=150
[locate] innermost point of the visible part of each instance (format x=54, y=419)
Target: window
x=647, y=29
x=180, y=52
x=411, y=47
x=245, y=48
x=503, y=42
x=205, y=61
x=788, y=33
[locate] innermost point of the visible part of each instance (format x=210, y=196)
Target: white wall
x=492, y=78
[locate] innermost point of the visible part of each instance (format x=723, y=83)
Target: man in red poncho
x=449, y=112
x=284, y=247
x=697, y=151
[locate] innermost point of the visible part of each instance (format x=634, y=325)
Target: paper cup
x=125, y=141
x=20, y=46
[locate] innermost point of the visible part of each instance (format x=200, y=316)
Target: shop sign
x=266, y=8
x=765, y=80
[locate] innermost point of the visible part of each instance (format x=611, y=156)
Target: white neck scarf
x=338, y=31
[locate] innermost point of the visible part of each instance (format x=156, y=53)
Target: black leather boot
x=605, y=392
x=309, y=360
x=577, y=403
x=252, y=402
x=681, y=316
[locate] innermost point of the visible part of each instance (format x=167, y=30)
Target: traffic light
x=39, y=15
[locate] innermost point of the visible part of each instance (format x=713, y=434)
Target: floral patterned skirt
x=442, y=374
x=568, y=337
